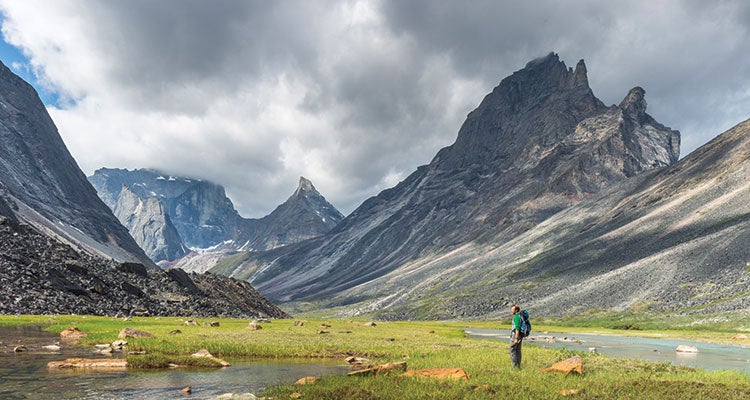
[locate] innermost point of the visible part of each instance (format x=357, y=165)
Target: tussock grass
x=421, y=345
x=156, y=360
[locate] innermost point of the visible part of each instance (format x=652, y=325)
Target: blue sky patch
x=14, y=59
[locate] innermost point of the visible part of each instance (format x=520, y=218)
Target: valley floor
x=421, y=345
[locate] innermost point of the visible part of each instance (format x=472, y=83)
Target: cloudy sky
x=353, y=95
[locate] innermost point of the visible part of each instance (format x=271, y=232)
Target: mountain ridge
x=672, y=240
x=538, y=143
x=205, y=218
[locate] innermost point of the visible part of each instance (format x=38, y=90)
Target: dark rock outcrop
x=40, y=275
x=42, y=181
x=539, y=143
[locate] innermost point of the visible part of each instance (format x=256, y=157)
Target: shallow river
x=25, y=376
x=710, y=356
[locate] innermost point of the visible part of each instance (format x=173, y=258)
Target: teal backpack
x=525, y=329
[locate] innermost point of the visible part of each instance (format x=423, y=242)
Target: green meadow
x=421, y=345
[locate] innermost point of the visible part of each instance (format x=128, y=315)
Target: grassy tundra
x=421, y=345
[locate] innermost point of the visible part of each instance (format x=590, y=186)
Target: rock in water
x=72, y=334
x=683, y=348
x=88, y=363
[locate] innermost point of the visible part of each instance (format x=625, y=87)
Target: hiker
x=515, y=336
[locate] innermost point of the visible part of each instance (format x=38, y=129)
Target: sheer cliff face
x=537, y=144
x=203, y=217
x=150, y=226
x=43, y=183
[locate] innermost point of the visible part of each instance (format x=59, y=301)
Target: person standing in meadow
x=515, y=336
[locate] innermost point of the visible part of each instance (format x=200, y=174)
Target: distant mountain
x=42, y=183
x=305, y=214
x=539, y=143
x=199, y=210
x=203, y=216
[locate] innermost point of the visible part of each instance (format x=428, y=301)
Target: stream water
x=710, y=356
x=24, y=375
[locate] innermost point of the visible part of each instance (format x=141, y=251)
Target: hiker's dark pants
x=515, y=351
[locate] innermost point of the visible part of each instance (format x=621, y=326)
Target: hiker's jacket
x=516, y=322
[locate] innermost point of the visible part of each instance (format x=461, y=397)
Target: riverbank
x=420, y=344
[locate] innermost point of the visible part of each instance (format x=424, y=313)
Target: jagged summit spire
x=550, y=63
x=634, y=103
x=305, y=185
x=543, y=76
x=546, y=94
x=550, y=58
x=580, y=75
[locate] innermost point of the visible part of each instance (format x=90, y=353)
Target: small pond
x=710, y=356
x=25, y=376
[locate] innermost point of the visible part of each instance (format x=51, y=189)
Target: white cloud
x=353, y=95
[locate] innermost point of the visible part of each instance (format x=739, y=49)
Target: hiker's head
x=515, y=309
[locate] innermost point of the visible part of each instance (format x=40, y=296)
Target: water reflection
x=710, y=356
x=25, y=376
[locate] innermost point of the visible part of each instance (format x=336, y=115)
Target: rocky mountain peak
x=580, y=75
x=305, y=187
x=533, y=109
x=550, y=68
x=634, y=103
x=544, y=76
x=307, y=204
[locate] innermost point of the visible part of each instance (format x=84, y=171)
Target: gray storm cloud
x=354, y=94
